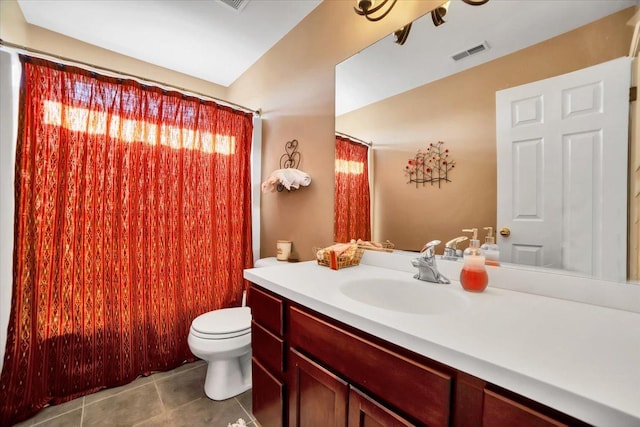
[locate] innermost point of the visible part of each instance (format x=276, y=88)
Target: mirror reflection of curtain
x=133, y=216
x=352, y=217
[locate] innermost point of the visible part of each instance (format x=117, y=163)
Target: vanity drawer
x=421, y=392
x=267, y=310
x=267, y=348
x=501, y=411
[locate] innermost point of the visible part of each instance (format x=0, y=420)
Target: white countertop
x=580, y=359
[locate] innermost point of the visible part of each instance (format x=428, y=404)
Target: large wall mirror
x=404, y=97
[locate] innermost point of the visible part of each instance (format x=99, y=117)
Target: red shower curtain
x=132, y=218
x=352, y=205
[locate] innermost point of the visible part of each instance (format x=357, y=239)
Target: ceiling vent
x=236, y=5
x=471, y=51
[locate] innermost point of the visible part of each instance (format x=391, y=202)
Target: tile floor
x=174, y=398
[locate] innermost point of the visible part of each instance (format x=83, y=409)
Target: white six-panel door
x=562, y=148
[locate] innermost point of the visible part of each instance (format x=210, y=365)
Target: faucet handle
x=454, y=242
x=428, y=248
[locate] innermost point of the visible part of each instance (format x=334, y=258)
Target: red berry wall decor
x=430, y=166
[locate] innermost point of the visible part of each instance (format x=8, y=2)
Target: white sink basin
x=408, y=296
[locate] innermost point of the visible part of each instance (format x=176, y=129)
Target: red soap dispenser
x=473, y=276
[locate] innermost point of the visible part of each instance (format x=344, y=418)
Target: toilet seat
x=222, y=324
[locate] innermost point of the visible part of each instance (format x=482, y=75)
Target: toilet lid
x=224, y=322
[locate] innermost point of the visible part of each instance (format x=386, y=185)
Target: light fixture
x=375, y=12
x=439, y=13
x=402, y=34
x=371, y=11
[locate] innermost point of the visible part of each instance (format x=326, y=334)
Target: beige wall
x=294, y=84
x=460, y=110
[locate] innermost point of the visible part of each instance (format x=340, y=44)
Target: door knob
x=505, y=232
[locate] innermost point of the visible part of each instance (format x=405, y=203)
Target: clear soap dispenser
x=473, y=275
x=490, y=249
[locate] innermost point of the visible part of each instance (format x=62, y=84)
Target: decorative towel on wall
x=288, y=177
x=133, y=217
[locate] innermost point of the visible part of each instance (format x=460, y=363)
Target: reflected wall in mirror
x=458, y=105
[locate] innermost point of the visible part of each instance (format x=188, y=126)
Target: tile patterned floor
x=174, y=398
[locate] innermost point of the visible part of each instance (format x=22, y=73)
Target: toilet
x=223, y=339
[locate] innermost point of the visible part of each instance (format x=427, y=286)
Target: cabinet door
x=366, y=412
x=317, y=398
x=268, y=396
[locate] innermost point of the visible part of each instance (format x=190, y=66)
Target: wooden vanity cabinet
x=408, y=386
x=312, y=371
x=268, y=357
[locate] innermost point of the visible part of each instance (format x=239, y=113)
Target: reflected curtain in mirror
x=133, y=217
x=352, y=217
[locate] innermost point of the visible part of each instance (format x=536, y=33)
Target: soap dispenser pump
x=473, y=275
x=490, y=249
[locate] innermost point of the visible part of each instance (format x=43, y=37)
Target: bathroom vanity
x=370, y=345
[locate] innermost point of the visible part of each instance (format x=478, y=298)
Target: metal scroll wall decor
x=430, y=166
x=290, y=158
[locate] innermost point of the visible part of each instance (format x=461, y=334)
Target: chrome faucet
x=426, y=265
x=450, y=248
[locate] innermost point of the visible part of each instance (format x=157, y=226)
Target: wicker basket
x=386, y=247
x=331, y=260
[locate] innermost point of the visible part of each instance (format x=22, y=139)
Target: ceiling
x=386, y=68
x=207, y=39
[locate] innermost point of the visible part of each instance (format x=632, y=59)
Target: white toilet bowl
x=267, y=262
x=223, y=339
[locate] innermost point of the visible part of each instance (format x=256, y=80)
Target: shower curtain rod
x=354, y=139
x=51, y=56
